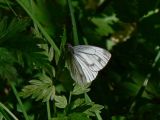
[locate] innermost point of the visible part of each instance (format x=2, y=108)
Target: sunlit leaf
x=78, y=102
x=61, y=101
x=94, y=108
x=80, y=89
x=39, y=89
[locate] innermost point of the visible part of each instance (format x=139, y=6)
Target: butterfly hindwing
x=89, y=75
x=76, y=73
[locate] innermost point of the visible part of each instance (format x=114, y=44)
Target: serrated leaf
x=104, y=24
x=25, y=47
x=60, y=101
x=95, y=108
x=82, y=107
x=44, y=78
x=39, y=89
x=80, y=89
x=78, y=102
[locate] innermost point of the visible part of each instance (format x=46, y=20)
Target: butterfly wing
x=80, y=72
x=96, y=58
x=86, y=61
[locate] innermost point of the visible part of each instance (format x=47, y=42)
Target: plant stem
x=19, y=101
x=54, y=108
x=10, y=7
x=70, y=96
x=8, y=111
x=74, y=27
x=48, y=110
x=23, y=5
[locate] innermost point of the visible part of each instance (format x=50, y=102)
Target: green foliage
x=78, y=116
x=7, y=69
x=80, y=89
x=33, y=36
x=60, y=101
x=103, y=25
x=41, y=88
x=73, y=116
x=95, y=108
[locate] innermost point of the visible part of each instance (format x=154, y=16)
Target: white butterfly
x=85, y=61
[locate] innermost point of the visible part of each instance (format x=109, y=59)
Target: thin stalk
x=8, y=111
x=48, y=110
x=19, y=101
x=74, y=27
x=54, y=108
x=10, y=7
x=70, y=96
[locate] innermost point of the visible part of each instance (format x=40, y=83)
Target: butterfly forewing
x=86, y=61
x=95, y=57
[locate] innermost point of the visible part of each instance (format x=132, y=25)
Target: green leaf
x=78, y=116
x=12, y=29
x=1, y=116
x=37, y=11
x=7, y=69
x=41, y=89
x=103, y=24
x=26, y=48
x=78, y=102
x=80, y=89
x=4, y=4
x=60, y=116
x=60, y=101
x=95, y=108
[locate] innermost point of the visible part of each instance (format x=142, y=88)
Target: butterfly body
x=86, y=61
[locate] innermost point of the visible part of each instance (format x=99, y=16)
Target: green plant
x=35, y=83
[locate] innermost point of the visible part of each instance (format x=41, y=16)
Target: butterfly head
x=70, y=48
